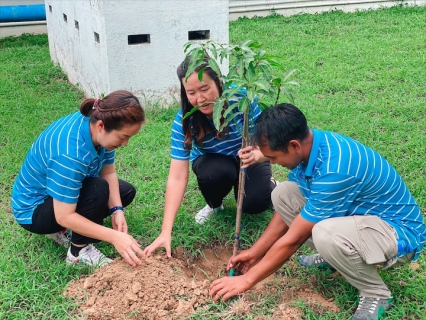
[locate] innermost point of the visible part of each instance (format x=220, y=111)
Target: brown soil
x=174, y=288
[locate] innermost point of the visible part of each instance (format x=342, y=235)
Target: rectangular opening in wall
x=97, y=37
x=50, y=9
x=65, y=18
x=77, y=26
x=199, y=35
x=138, y=39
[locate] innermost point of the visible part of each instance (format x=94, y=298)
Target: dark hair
x=116, y=110
x=278, y=125
x=199, y=121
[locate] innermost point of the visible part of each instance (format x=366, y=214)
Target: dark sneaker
x=314, y=261
x=372, y=308
x=63, y=238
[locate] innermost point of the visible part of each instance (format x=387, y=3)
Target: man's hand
x=242, y=262
x=228, y=287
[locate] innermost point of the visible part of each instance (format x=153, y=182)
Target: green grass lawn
x=362, y=74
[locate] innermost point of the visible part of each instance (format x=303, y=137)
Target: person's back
x=61, y=154
x=344, y=177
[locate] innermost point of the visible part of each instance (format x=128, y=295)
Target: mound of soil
x=174, y=288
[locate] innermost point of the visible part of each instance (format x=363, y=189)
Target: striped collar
x=313, y=155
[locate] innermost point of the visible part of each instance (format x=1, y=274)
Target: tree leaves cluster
x=251, y=69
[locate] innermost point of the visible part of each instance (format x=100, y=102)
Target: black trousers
x=218, y=174
x=92, y=204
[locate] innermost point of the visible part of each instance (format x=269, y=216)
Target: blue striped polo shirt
x=56, y=164
x=343, y=177
x=227, y=146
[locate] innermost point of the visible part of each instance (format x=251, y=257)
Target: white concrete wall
x=148, y=69
x=75, y=50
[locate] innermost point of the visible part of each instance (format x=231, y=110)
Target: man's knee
x=287, y=199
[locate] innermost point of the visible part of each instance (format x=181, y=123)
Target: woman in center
x=214, y=156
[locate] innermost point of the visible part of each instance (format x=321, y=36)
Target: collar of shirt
x=313, y=156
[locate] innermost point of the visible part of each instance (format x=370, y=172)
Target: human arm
x=67, y=217
x=276, y=255
x=175, y=190
x=117, y=218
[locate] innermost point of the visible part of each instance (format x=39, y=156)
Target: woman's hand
x=249, y=156
x=127, y=247
x=163, y=240
x=118, y=221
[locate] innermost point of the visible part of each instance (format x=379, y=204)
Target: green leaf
x=231, y=108
x=213, y=64
x=200, y=74
x=275, y=64
x=264, y=85
x=244, y=104
x=189, y=113
x=289, y=74
x=294, y=83
x=251, y=73
x=277, y=82
x=217, y=112
x=263, y=105
x=228, y=120
x=187, y=46
x=288, y=93
x=197, y=59
x=214, y=52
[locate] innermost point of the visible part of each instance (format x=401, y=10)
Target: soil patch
x=175, y=288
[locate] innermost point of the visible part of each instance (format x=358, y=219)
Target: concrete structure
x=105, y=45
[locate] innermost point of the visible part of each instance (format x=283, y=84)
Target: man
x=343, y=199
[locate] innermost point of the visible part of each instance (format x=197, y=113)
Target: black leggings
x=218, y=174
x=92, y=204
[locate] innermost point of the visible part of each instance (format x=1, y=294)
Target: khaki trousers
x=353, y=245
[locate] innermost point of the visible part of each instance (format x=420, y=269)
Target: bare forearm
x=277, y=255
x=274, y=231
x=79, y=224
x=174, y=196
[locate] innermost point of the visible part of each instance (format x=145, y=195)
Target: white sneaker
x=90, y=256
x=63, y=238
x=206, y=213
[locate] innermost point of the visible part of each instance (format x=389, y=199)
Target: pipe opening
x=76, y=25
x=65, y=18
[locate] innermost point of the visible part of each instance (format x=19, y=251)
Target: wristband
x=114, y=209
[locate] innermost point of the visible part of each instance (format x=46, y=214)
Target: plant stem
x=241, y=184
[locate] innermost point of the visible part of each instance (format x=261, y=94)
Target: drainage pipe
x=22, y=13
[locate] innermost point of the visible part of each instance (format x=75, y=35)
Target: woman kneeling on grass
x=215, y=157
x=68, y=180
